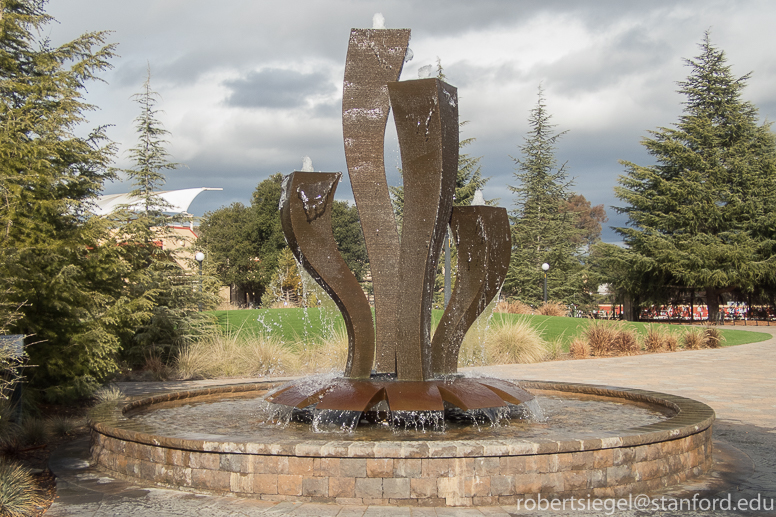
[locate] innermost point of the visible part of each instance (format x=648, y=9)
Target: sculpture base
x=385, y=390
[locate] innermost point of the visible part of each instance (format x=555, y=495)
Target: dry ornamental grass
x=693, y=339
x=579, y=348
x=553, y=309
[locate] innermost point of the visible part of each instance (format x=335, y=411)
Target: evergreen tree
x=61, y=273
x=170, y=292
x=704, y=215
x=544, y=229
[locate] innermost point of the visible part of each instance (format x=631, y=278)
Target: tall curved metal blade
x=305, y=215
x=375, y=57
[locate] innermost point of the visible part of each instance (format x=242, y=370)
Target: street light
x=199, y=257
x=545, y=268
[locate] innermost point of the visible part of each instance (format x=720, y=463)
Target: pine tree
x=52, y=253
x=543, y=230
x=704, y=215
x=170, y=293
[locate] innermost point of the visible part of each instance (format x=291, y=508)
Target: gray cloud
x=276, y=88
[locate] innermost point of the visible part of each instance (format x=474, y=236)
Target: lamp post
x=545, y=268
x=199, y=257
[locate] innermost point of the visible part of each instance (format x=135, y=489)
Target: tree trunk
x=712, y=302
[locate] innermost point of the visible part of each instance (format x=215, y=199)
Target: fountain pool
x=597, y=441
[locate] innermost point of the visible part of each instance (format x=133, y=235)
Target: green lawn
x=295, y=325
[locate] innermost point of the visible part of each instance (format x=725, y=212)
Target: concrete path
x=738, y=382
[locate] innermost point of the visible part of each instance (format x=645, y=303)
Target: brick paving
x=738, y=382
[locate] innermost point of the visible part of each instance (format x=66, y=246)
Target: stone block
x=315, y=487
x=231, y=462
x=476, y=486
x=241, y=483
x=435, y=467
x=487, y=466
x=502, y=485
x=551, y=483
x=485, y=501
x=527, y=483
x=204, y=460
x=328, y=467
x=512, y=465
x=379, y=467
x=574, y=479
x=265, y=484
x=342, y=487
x=407, y=468
x=369, y=488
x=396, y=488
x=300, y=466
x=583, y=460
x=623, y=456
x=603, y=458
x=353, y=467
x=423, y=487
x=290, y=484
x=620, y=475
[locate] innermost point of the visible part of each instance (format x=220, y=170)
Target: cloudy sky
x=249, y=88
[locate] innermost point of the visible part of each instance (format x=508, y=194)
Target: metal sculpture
x=399, y=362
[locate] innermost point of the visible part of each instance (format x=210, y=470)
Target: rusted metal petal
x=413, y=396
x=352, y=395
x=507, y=390
x=469, y=394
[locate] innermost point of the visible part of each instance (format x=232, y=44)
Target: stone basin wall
x=443, y=473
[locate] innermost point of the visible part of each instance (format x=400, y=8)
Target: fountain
x=397, y=376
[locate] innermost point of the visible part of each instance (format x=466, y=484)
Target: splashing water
x=378, y=21
x=307, y=164
x=424, y=72
x=335, y=421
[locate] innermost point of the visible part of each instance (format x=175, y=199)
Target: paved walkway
x=738, y=382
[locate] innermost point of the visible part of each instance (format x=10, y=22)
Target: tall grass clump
x=330, y=354
x=626, y=341
x=233, y=354
x=18, y=494
x=693, y=339
x=600, y=335
x=712, y=337
x=553, y=309
x=671, y=342
x=108, y=393
x=579, y=348
x=514, y=341
x=655, y=339
x=554, y=349
x=514, y=307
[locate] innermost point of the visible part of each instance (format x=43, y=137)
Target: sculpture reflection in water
x=394, y=367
